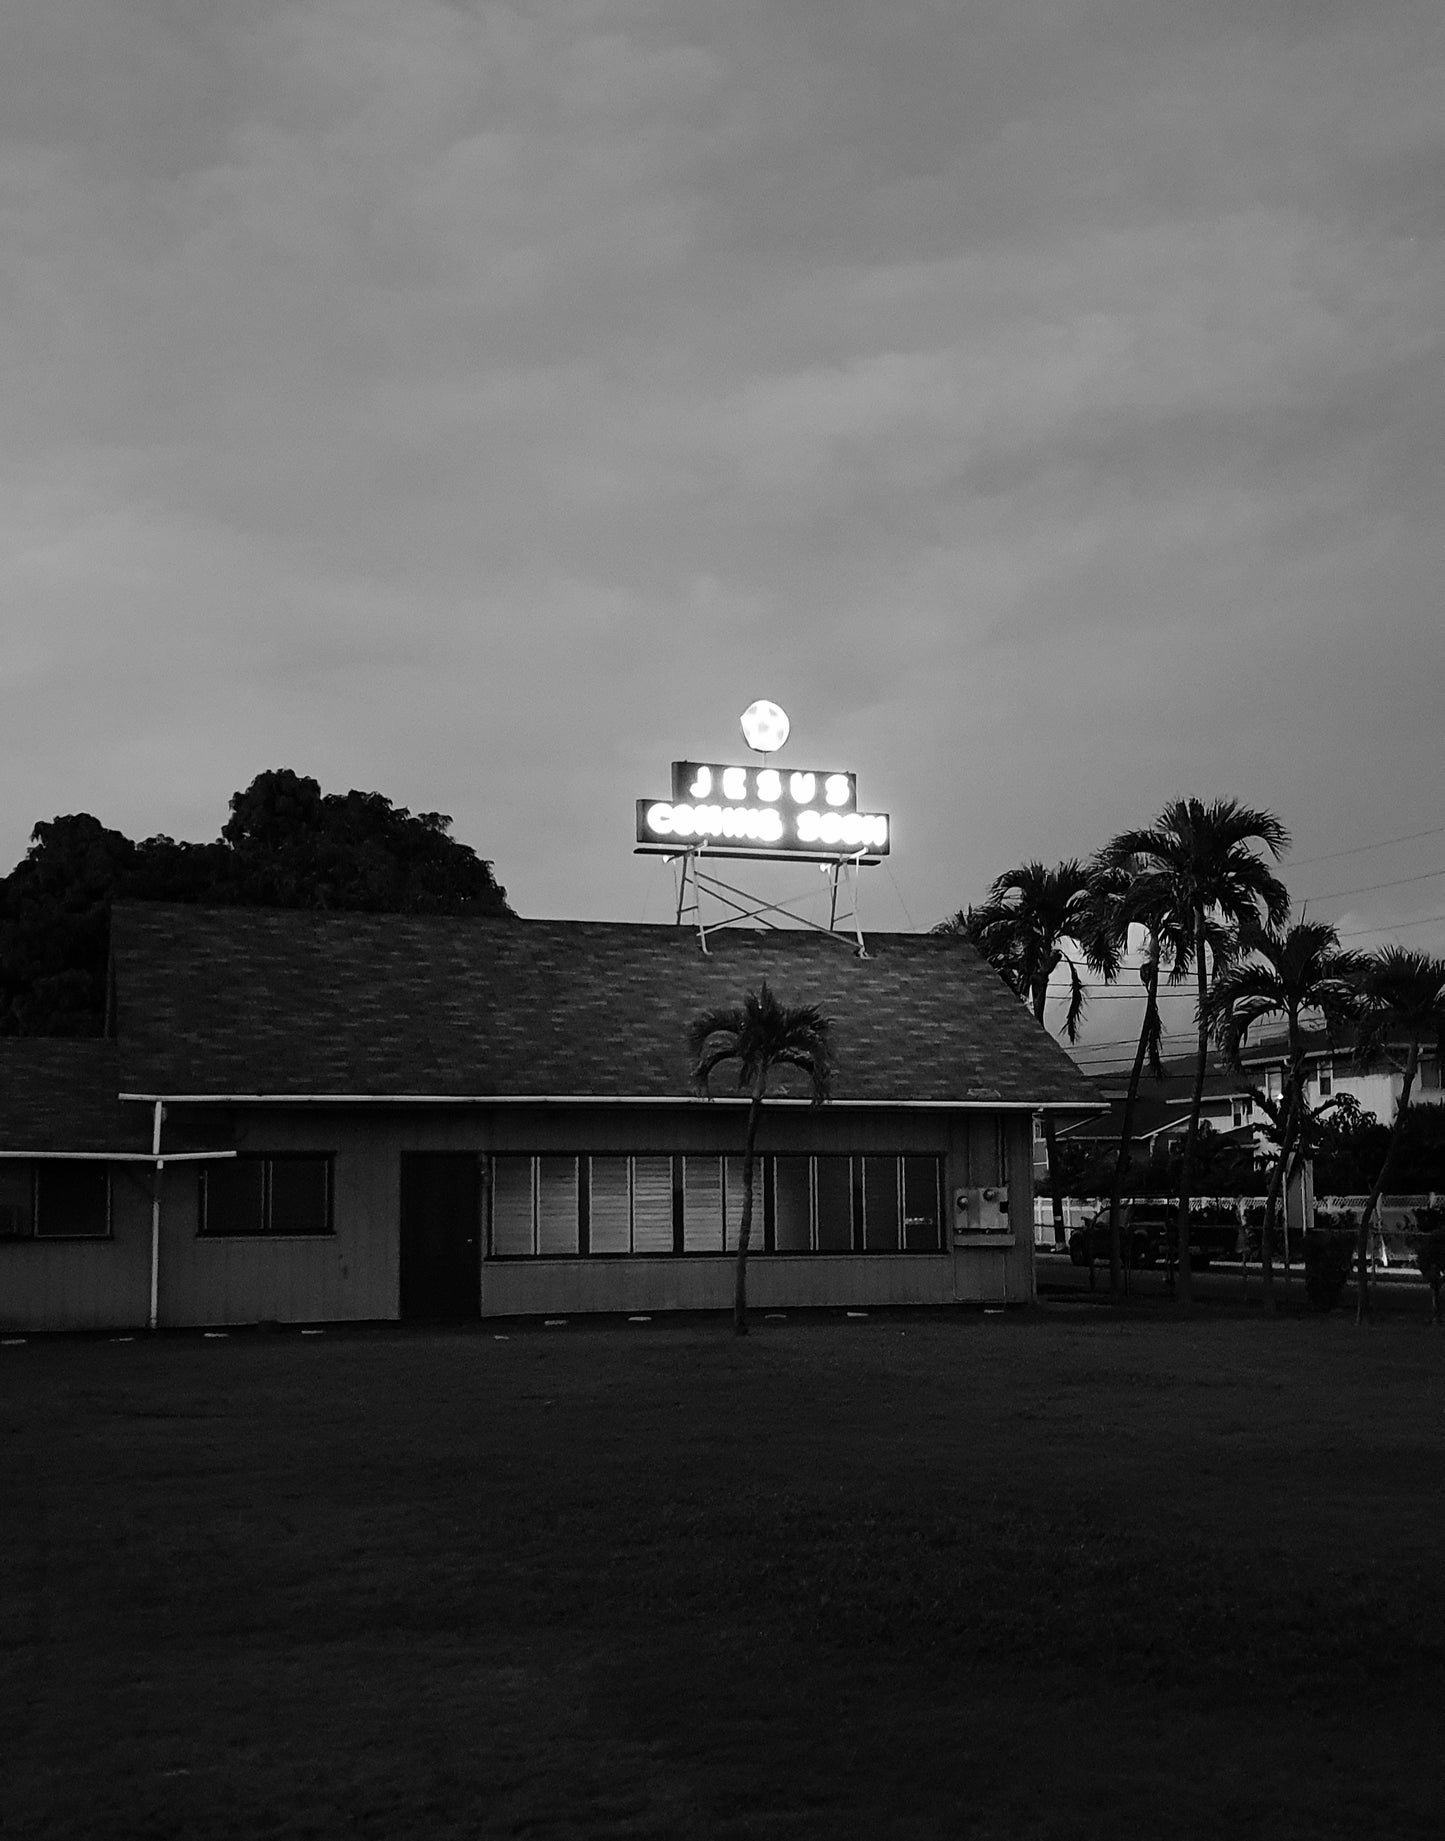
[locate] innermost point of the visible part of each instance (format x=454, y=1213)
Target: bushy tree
x=286, y=844
x=1349, y=1147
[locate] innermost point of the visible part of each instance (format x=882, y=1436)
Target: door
x=441, y=1215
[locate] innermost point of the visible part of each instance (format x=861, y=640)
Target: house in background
x=1161, y=1115
x=322, y=1117
x=1332, y=1067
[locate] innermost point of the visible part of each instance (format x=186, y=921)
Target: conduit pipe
x=159, y=1166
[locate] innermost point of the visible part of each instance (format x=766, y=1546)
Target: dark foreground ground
x=1055, y=1575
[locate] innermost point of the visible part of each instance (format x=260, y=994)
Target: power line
x=1166, y=1035
x=899, y=893
x=1173, y=1035
x=1353, y=933
x=1368, y=888
x=1329, y=856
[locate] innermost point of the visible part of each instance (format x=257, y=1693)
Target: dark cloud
x=1042, y=400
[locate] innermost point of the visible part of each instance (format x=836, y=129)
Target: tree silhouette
x=1282, y=975
x=286, y=844
x=1403, y=994
x=1032, y=916
x=1196, y=867
x=1122, y=898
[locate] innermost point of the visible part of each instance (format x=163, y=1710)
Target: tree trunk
x=1150, y=973
x=745, y=1226
x=1271, y=1212
x=1196, y=1106
x=1278, y=1174
x=1362, y=1300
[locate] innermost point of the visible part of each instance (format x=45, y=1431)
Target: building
x=317, y=1117
x=1332, y=1068
x=1161, y=1115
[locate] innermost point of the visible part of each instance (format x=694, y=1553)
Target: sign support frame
x=842, y=873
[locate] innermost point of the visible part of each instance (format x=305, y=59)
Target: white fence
x=1395, y=1216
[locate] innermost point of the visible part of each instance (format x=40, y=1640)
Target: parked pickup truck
x=1089, y=1244
x=1148, y=1234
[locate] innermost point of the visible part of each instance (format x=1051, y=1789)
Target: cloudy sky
x=1042, y=399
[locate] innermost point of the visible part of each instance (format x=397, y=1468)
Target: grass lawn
x=1051, y=1575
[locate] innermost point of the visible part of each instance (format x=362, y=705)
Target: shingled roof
x=59, y=1095
x=260, y=1001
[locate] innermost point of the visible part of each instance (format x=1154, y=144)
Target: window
x=882, y=1204
x=298, y=1193
x=281, y=1196
x=59, y=1200
x=578, y=1207
x=652, y=1204
x=610, y=1229
x=1326, y=1079
x=513, y=1226
x=17, y=1201
x=702, y=1205
x=569, y=1207
x=833, y=1189
x=793, y=1204
x=733, y=1204
x=558, y=1222
x=72, y=1201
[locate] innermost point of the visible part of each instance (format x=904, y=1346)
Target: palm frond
x=1282, y=973
x=1076, y=1001
x=1402, y=992
x=761, y=1033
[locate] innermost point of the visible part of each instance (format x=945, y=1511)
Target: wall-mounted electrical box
x=982, y=1214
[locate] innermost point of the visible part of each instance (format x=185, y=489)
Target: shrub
x=1328, y=1252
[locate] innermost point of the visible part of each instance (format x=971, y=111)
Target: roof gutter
x=111, y=1156
x=982, y=1104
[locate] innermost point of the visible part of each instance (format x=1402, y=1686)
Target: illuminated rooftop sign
x=761, y=812
x=765, y=726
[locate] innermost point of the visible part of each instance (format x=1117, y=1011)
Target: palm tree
x=1118, y=903
x=1283, y=974
x=1023, y=928
x=1196, y=866
x=761, y=1035
x=1403, y=993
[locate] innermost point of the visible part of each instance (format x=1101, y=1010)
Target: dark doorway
x=441, y=1219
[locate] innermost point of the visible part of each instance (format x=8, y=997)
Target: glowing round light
x=765, y=726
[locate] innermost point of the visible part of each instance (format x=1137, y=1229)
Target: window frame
x=718, y=1242
x=267, y=1160
x=33, y=1169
